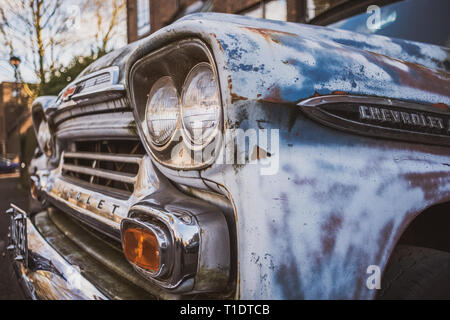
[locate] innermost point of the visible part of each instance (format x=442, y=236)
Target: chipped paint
x=339, y=201
x=336, y=206
x=234, y=97
x=268, y=34
x=308, y=59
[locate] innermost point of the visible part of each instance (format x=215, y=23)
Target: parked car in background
x=238, y=158
x=8, y=165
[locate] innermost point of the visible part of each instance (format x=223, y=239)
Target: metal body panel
x=336, y=205
x=338, y=202
x=330, y=203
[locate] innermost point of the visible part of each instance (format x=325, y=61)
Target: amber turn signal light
x=141, y=248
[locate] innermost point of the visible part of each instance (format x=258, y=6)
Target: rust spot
x=234, y=97
x=218, y=42
x=429, y=183
x=268, y=33
x=341, y=93
x=274, y=95
x=259, y=153
x=416, y=76
x=330, y=229
x=440, y=105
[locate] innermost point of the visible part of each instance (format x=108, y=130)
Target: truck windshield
x=416, y=20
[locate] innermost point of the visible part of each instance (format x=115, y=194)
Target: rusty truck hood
x=287, y=62
x=281, y=62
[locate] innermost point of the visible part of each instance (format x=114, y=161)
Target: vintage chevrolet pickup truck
x=238, y=158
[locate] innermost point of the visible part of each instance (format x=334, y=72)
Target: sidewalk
x=9, y=192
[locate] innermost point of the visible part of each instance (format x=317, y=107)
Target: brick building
x=147, y=16
x=13, y=114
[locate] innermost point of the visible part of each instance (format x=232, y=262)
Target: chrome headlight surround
x=43, y=132
x=175, y=61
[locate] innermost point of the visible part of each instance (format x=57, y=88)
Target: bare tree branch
x=42, y=31
x=33, y=29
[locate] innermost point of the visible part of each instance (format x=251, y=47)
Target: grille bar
x=102, y=173
x=110, y=163
x=125, y=158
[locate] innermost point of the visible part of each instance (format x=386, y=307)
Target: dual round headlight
x=162, y=110
x=199, y=107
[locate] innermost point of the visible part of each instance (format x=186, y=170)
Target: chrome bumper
x=64, y=260
x=45, y=274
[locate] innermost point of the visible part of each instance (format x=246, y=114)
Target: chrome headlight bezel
x=43, y=132
x=44, y=138
x=175, y=60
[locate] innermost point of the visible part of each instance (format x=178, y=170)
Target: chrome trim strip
x=102, y=173
x=111, y=86
x=328, y=99
x=113, y=71
x=76, y=110
x=103, y=156
x=108, y=125
x=106, y=190
x=316, y=109
x=85, y=212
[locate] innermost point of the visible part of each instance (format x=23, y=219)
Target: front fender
x=332, y=205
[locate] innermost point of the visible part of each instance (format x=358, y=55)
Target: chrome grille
x=95, y=108
x=109, y=164
x=94, y=82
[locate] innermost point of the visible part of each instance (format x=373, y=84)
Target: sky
x=83, y=30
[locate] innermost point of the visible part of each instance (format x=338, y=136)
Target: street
x=9, y=192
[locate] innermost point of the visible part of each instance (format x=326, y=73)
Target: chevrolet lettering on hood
x=405, y=119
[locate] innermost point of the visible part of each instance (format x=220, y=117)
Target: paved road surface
x=9, y=192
